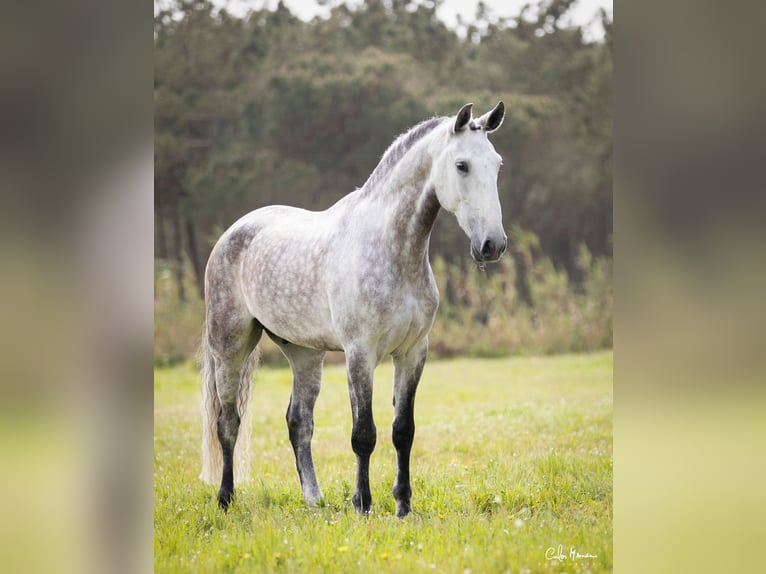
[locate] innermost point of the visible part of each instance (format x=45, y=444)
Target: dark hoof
x=402, y=496
x=362, y=503
x=224, y=499
x=402, y=509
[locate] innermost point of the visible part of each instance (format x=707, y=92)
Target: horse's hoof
x=224, y=500
x=402, y=509
x=313, y=499
x=362, y=504
x=402, y=496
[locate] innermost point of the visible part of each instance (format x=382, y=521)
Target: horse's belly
x=298, y=319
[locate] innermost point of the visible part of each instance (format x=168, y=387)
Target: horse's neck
x=405, y=207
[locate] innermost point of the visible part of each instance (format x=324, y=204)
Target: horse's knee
x=364, y=436
x=228, y=426
x=300, y=425
x=403, y=432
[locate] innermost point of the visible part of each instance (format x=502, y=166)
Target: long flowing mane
x=399, y=148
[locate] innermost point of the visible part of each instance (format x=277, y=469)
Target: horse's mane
x=399, y=148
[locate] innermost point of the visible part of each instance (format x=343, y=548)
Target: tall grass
x=481, y=312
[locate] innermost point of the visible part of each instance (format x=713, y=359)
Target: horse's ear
x=493, y=119
x=462, y=119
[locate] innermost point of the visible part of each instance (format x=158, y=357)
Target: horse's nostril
x=487, y=248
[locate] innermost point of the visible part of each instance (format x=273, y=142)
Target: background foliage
x=270, y=109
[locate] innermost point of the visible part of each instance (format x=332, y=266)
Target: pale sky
x=583, y=12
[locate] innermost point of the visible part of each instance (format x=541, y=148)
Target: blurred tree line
x=270, y=109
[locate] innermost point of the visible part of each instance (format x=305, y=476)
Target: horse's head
x=464, y=176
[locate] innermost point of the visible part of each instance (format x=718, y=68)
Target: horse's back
x=233, y=243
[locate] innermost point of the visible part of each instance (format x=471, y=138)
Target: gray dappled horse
x=353, y=278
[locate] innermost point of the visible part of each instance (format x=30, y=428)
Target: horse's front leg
x=360, y=366
x=407, y=371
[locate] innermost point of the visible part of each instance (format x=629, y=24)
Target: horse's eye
x=462, y=166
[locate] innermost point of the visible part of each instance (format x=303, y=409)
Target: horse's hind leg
x=407, y=371
x=232, y=343
x=227, y=375
x=307, y=379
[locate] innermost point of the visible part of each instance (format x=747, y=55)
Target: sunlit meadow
x=511, y=472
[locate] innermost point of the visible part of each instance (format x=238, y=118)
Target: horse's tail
x=212, y=457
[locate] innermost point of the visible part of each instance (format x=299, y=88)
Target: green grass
x=511, y=457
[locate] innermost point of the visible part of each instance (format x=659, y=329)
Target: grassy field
x=512, y=458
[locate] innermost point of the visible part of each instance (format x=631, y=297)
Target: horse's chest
x=397, y=314
x=408, y=322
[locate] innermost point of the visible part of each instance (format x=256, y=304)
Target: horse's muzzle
x=489, y=249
